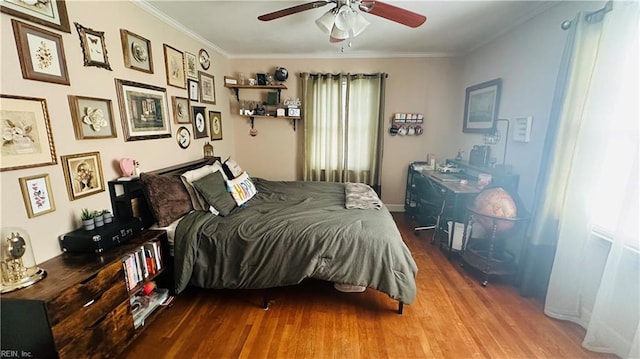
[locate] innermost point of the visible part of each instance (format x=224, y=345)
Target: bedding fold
x=361, y=196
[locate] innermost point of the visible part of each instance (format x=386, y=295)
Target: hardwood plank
x=452, y=317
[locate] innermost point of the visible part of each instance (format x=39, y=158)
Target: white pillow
x=231, y=169
x=188, y=177
x=242, y=188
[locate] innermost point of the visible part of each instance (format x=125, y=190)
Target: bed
x=284, y=233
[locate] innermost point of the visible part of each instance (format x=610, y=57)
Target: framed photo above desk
x=481, y=107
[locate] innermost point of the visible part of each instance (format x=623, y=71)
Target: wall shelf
x=253, y=117
x=236, y=88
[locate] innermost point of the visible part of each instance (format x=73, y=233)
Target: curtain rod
x=597, y=15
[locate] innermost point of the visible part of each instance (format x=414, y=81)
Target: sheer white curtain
x=595, y=279
x=343, y=125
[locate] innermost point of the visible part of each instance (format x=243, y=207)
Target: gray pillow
x=213, y=189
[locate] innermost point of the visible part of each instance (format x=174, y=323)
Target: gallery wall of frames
x=85, y=84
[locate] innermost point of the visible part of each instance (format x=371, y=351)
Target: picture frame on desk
x=481, y=107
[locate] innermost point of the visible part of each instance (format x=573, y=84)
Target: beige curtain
x=592, y=197
x=343, y=127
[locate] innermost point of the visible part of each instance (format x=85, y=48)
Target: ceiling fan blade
x=292, y=10
x=393, y=13
x=335, y=39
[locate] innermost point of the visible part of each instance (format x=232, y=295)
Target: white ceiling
x=452, y=27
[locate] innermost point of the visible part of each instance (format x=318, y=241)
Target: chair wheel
x=484, y=283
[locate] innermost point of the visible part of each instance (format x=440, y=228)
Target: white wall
x=109, y=17
x=527, y=60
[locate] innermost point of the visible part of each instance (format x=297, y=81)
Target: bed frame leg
x=400, y=307
x=265, y=299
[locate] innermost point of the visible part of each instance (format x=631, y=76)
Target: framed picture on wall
x=181, y=113
x=481, y=107
x=191, y=64
x=83, y=174
x=92, y=117
x=174, y=66
x=143, y=110
x=136, y=51
x=50, y=13
x=215, y=125
x=94, y=49
x=41, y=54
x=207, y=88
x=37, y=196
x=194, y=90
x=26, y=119
x=199, y=122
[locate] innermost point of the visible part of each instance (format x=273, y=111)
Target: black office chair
x=432, y=207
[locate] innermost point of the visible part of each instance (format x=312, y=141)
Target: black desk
x=456, y=197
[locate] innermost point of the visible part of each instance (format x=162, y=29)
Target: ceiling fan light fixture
x=326, y=21
x=359, y=25
x=336, y=33
x=345, y=18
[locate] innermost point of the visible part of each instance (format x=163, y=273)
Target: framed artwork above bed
x=144, y=110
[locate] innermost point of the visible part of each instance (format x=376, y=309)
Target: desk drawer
x=108, y=282
x=102, y=338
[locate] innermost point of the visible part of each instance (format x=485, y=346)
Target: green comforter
x=291, y=231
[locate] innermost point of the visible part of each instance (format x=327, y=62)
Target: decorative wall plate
x=183, y=136
x=203, y=57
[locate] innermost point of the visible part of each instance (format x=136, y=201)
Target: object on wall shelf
x=522, y=129
x=407, y=124
x=236, y=88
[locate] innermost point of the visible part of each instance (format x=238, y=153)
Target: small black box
x=101, y=238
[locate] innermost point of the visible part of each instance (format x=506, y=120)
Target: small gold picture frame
x=207, y=88
x=37, y=195
x=174, y=66
x=92, y=117
x=94, y=49
x=82, y=174
x=181, y=109
x=136, y=51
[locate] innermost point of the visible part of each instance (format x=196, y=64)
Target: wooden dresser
x=85, y=305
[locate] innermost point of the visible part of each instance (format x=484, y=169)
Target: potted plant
x=98, y=218
x=87, y=220
x=108, y=217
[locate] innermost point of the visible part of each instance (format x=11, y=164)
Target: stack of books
x=142, y=264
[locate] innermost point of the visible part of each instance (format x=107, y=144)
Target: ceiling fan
x=345, y=19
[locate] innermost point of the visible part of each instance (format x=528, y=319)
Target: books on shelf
x=144, y=262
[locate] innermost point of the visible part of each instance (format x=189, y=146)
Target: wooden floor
x=452, y=317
